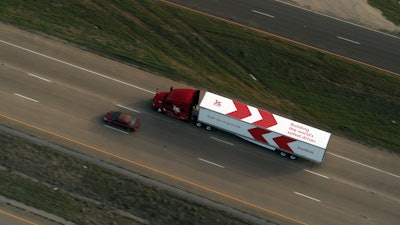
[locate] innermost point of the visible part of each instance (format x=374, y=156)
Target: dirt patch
x=356, y=11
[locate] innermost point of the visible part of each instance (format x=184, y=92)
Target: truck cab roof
x=184, y=96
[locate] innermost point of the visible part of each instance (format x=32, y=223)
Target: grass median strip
x=84, y=193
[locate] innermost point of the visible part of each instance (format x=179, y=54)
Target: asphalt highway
x=319, y=31
x=59, y=93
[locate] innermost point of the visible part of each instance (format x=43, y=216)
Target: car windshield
x=115, y=116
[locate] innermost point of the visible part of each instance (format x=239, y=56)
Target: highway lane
x=12, y=219
x=262, y=178
x=13, y=213
x=326, y=33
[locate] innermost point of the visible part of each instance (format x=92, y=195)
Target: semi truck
x=177, y=103
x=288, y=137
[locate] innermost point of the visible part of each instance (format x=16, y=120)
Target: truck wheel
x=159, y=110
x=292, y=157
x=198, y=124
x=208, y=127
x=282, y=153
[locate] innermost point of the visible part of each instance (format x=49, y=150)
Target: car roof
x=126, y=118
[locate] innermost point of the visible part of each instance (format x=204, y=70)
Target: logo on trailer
x=217, y=103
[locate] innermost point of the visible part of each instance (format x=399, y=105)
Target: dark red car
x=122, y=120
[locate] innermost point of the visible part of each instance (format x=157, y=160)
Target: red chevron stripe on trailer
x=271, y=138
x=268, y=119
x=242, y=111
x=283, y=142
x=258, y=133
x=252, y=115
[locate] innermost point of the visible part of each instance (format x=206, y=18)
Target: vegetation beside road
x=84, y=193
x=389, y=8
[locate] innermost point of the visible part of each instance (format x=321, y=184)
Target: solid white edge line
x=345, y=39
x=22, y=96
x=306, y=196
x=215, y=164
x=78, y=67
x=228, y=143
x=33, y=75
x=371, y=167
x=264, y=14
x=326, y=177
x=125, y=107
x=116, y=129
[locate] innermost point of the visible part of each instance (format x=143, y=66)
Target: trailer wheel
x=283, y=154
x=198, y=124
x=158, y=110
x=292, y=157
x=208, y=127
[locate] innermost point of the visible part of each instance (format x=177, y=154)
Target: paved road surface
x=64, y=92
x=339, y=37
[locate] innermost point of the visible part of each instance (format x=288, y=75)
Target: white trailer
x=263, y=128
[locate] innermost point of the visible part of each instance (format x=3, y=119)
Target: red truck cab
x=177, y=103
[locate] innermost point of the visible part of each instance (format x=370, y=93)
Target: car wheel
x=198, y=124
x=282, y=153
x=159, y=110
x=292, y=157
x=208, y=127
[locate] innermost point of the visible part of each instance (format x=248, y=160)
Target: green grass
x=389, y=8
x=56, y=202
x=309, y=86
x=43, y=169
